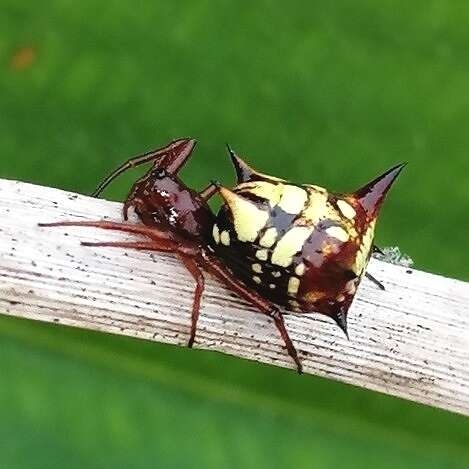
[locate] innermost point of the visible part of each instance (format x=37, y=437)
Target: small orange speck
x=23, y=58
x=329, y=249
x=313, y=296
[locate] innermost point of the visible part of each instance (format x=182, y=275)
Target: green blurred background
x=330, y=93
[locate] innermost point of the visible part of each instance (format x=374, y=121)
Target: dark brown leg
x=193, y=268
x=183, y=254
x=140, y=245
x=152, y=233
x=375, y=281
x=160, y=241
x=209, y=191
x=172, y=156
x=377, y=249
x=263, y=305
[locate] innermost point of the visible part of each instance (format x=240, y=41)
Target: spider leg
x=184, y=254
x=159, y=241
x=264, y=306
x=375, y=281
x=195, y=271
x=172, y=157
x=209, y=191
x=184, y=257
x=152, y=233
x=140, y=245
x=377, y=250
x=164, y=241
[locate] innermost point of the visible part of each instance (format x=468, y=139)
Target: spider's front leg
x=170, y=158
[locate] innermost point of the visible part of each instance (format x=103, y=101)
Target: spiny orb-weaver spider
x=272, y=242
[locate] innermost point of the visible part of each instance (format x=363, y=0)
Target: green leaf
x=102, y=401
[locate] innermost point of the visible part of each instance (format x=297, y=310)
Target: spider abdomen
x=282, y=243
x=298, y=245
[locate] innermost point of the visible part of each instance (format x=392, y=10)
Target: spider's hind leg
x=263, y=305
x=199, y=278
x=375, y=281
x=209, y=191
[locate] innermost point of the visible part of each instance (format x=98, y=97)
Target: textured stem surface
x=411, y=340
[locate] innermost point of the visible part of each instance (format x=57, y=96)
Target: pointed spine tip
x=372, y=195
x=395, y=170
x=340, y=319
x=243, y=171
x=233, y=157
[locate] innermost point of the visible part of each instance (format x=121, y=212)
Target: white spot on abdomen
x=225, y=238
x=262, y=254
x=293, y=199
x=300, y=269
x=293, y=285
x=216, y=234
x=290, y=243
x=338, y=233
x=347, y=210
x=257, y=268
x=269, y=237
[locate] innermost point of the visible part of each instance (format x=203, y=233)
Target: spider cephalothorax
x=299, y=245
x=272, y=242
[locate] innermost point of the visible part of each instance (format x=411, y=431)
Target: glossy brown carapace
x=272, y=242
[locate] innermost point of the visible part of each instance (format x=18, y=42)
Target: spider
x=272, y=242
